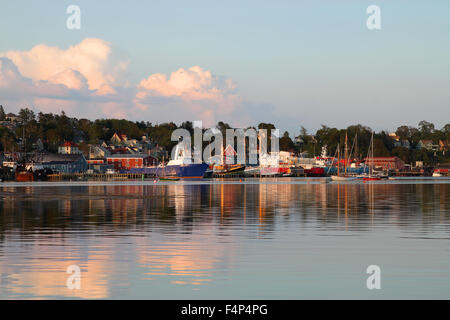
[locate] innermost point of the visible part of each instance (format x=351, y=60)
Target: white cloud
x=191, y=93
x=89, y=80
x=92, y=59
x=65, y=91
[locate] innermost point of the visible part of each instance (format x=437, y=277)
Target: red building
x=394, y=163
x=95, y=161
x=128, y=161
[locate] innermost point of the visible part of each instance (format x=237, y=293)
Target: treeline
x=53, y=129
x=403, y=145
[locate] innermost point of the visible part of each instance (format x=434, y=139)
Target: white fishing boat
x=252, y=171
x=436, y=174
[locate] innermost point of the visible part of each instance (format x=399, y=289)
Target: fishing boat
x=252, y=171
x=24, y=176
x=227, y=165
x=169, y=178
x=441, y=170
x=182, y=166
x=228, y=168
x=270, y=165
x=436, y=174
x=275, y=171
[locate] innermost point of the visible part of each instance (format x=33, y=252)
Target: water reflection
x=134, y=240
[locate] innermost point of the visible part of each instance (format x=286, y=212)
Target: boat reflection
x=186, y=234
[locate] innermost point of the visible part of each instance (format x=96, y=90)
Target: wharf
x=94, y=176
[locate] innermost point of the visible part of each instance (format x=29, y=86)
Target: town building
x=128, y=161
x=62, y=163
x=428, y=145
x=99, y=166
x=68, y=147
x=444, y=145
x=98, y=152
x=12, y=117
x=398, y=142
x=121, y=143
x=386, y=163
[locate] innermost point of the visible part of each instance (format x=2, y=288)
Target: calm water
x=274, y=239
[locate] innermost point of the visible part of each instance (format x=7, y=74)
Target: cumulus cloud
x=64, y=91
x=194, y=92
x=89, y=80
x=92, y=59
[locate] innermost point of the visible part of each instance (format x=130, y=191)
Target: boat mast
x=371, y=156
x=345, y=154
x=339, y=160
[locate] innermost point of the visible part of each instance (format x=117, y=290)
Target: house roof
x=122, y=151
x=127, y=156
x=395, y=137
x=69, y=144
x=56, y=158
x=229, y=151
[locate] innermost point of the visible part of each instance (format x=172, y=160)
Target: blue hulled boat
x=181, y=166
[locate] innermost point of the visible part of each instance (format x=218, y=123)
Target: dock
x=95, y=176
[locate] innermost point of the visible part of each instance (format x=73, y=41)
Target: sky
x=292, y=63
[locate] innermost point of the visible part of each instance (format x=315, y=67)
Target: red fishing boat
x=373, y=178
x=23, y=176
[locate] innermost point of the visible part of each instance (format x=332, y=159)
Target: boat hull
x=24, y=176
x=195, y=170
x=341, y=178
x=274, y=171
x=372, y=179
x=229, y=169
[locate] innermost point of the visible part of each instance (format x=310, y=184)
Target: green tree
x=2, y=114
x=26, y=115
x=426, y=127
x=286, y=143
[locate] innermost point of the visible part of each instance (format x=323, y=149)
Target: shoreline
x=227, y=181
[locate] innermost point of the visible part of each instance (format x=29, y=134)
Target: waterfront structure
x=61, y=163
x=130, y=161
x=386, y=163
x=99, y=166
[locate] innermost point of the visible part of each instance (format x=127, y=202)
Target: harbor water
x=281, y=238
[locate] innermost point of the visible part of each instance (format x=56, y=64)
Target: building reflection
x=188, y=232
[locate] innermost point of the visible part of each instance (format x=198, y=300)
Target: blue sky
x=293, y=62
